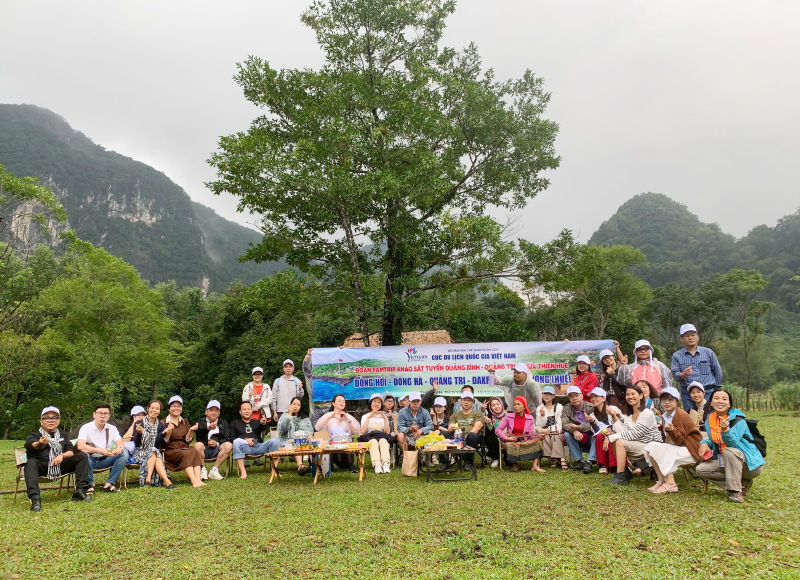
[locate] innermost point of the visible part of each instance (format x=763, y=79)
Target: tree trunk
x=17, y=401
x=356, y=273
x=393, y=271
x=155, y=384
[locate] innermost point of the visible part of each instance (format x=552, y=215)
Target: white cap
x=642, y=343
x=213, y=403
x=573, y=389
x=414, y=396
x=375, y=396
x=599, y=392
x=440, y=401
x=584, y=359
x=671, y=391
x=604, y=353
x=687, y=328
x=174, y=399
x=467, y=395
x=48, y=409
x=287, y=361
x=257, y=370
x=137, y=409
x=521, y=368
x=695, y=384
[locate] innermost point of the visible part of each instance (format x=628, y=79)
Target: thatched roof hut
x=421, y=337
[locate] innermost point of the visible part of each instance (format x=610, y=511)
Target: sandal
x=148, y=484
x=90, y=491
x=654, y=488
x=515, y=468
x=564, y=465
x=171, y=486
x=110, y=489
x=303, y=469
x=669, y=489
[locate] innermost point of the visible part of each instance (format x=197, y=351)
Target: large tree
x=384, y=163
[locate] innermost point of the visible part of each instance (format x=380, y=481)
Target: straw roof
x=421, y=337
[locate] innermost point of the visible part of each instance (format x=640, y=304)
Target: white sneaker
x=214, y=474
x=495, y=463
x=203, y=473
x=386, y=468
x=378, y=468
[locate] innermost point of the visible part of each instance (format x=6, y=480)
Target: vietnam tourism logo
x=412, y=355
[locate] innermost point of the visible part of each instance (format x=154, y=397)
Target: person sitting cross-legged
x=148, y=436
x=50, y=453
x=246, y=433
x=576, y=419
x=213, y=440
x=471, y=423
x=95, y=439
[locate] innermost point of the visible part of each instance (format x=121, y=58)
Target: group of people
x=630, y=420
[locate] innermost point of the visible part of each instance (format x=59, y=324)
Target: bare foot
x=538, y=469
x=243, y=475
x=200, y=484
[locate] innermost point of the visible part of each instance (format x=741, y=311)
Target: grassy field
x=505, y=525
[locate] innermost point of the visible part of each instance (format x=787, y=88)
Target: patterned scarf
x=149, y=434
x=53, y=471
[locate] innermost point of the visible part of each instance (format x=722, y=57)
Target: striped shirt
x=704, y=363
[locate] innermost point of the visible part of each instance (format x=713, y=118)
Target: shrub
x=787, y=395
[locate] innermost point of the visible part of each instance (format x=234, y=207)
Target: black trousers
x=77, y=464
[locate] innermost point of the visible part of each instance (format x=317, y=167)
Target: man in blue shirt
x=413, y=422
x=695, y=363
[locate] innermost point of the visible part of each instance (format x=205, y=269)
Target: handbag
x=410, y=459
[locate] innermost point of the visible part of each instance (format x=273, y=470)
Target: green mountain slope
x=124, y=206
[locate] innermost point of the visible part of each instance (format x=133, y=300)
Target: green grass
x=505, y=525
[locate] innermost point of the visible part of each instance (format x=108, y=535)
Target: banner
x=356, y=373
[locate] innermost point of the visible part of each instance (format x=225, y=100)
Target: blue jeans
x=240, y=448
x=686, y=400
x=116, y=462
x=576, y=449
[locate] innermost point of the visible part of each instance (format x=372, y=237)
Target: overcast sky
x=696, y=100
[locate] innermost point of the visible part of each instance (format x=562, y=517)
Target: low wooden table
x=426, y=455
x=316, y=459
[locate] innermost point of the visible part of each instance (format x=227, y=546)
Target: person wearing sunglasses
x=50, y=454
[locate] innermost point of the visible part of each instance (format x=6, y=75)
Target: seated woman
x=290, y=422
x=341, y=426
x=495, y=411
x=682, y=446
x=548, y=423
x=137, y=413
x=604, y=415
x=700, y=408
x=439, y=415
x=376, y=428
x=177, y=434
x=390, y=408
x=584, y=379
x=148, y=436
x=735, y=461
x=631, y=434
x=649, y=403
x=517, y=431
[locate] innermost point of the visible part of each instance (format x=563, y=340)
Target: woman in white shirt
x=375, y=428
x=631, y=434
x=341, y=426
x=548, y=416
x=604, y=415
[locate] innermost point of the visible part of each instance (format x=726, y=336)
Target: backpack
x=756, y=438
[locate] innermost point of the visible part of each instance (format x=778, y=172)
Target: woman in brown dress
x=178, y=454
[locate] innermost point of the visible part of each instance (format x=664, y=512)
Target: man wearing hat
x=645, y=368
x=413, y=422
x=695, y=363
x=471, y=423
x=96, y=438
x=284, y=389
x=213, y=440
x=50, y=453
x=518, y=384
x=258, y=395
x=576, y=419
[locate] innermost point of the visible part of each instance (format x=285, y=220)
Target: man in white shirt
x=95, y=439
x=284, y=389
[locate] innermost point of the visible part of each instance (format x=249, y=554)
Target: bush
x=738, y=394
x=787, y=395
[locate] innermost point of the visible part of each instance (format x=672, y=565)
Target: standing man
x=413, y=422
x=518, y=384
x=284, y=389
x=95, y=438
x=50, y=454
x=213, y=440
x=695, y=363
x=258, y=395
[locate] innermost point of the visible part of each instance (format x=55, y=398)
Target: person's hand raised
x=44, y=440
x=139, y=429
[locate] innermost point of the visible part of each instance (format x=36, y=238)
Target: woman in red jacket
x=584, y=379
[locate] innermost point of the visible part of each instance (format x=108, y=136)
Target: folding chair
x=129, y=466
x=21, y=459
x=690, y=474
